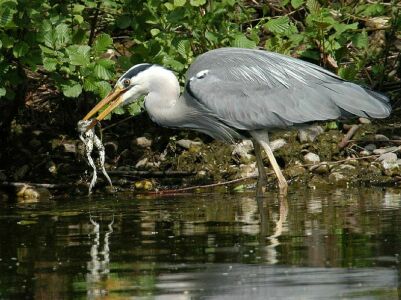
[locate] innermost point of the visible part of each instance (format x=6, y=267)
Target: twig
x=344, y=142
x=152, y=174
x=191, y=188
x=116, y=123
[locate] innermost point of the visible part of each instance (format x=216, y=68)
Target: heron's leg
x=262, y=177
x=282, y=182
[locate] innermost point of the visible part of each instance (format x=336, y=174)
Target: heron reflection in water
x=234, y=93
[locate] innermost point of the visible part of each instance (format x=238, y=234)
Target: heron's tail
x=356, y=100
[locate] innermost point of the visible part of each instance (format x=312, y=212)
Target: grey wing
x=254, y=89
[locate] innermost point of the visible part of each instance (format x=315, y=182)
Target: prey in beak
x=113, y=100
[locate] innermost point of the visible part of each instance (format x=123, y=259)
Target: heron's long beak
x=114, y=99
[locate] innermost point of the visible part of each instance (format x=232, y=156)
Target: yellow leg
x=282, y=182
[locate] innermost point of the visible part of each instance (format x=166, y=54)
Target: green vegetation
x=78, y=47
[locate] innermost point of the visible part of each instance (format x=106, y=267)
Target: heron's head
x=130, y=86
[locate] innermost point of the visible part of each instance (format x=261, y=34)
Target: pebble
x=370, y=147
x=364, y=153
x=248, y=170
x=277, y=144
x=337, y=177
x=309, y=134
x=143, y=142
x=389, y=157
x=243, y=149
x=186, y=144
x=295, y=171
x=311, y=158
x=381, y=138
x=385, y=150
x=322, y=168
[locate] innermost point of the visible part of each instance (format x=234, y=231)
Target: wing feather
x=254, y=89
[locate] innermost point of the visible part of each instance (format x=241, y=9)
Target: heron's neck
x=162, y=102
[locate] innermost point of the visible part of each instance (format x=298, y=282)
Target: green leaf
x=72, y=90
x=50, y=64
x=78, y=8
x=20, y=49
x=79, y=55
x=90, y=84
x=197, y=3
x=61, y=35
x=341, y=27
x=313, y=6
x=102, y=67
x=6, y=15
x=278, y=25
x=211, y=37
x=2, y=92
x=1, y=44
x=154, y=31
x=183, y=48
x=135, y=108
x=360, y=40
x=241, y=41
x=178, y=3
x=297, y=3
x=103, y=88
x=102, y=43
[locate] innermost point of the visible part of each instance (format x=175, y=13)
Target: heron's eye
x=126, y=82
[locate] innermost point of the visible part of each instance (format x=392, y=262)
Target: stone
x=248, y=170
x=35, y=143
x=295, y=171
x=385, y=150
x=51, y=167
x=364, y=153
x=309, y=134
x=388, y=157
x=370, y=147
x=381, y=138
x=143, y=142
x=142, y=163
x=277, y=144
x=186, y=144
x=144, y=185
x=311, y=158
x=29, y=193
x=322, y=168
x=337, y=177
x=243, y=149
x=69, y=146
x=364, y=120
x=111, y=148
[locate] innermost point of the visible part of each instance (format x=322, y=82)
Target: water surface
x=331, y=244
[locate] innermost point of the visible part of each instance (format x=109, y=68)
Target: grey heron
x=233, y=93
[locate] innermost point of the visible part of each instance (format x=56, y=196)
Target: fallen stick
x=346, y=139
x=152, y=173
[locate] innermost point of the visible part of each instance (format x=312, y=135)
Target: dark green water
x=316, y=245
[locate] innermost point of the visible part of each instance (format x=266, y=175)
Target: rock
x=374, y=170
x=248, y=170
x=51, y=167
x=277, y=144
x=337, y=177
x=35, y=143
x=370, y=147
x=243, y=149
x=388, y=157
x=364, y=153
x=311, y=158
x=317, y=182
x=295, y=171
x=309, y=134
x=144, y=185
x=364, y=120
x=389, y=164
x=381, y=138
x=142, y=163
x=69, y=146
x=385, y=150
x=142, y=142
x=29, y=193
x=186, y=144
x=322, y=168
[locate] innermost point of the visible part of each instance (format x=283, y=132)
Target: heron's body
x=231, y=91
